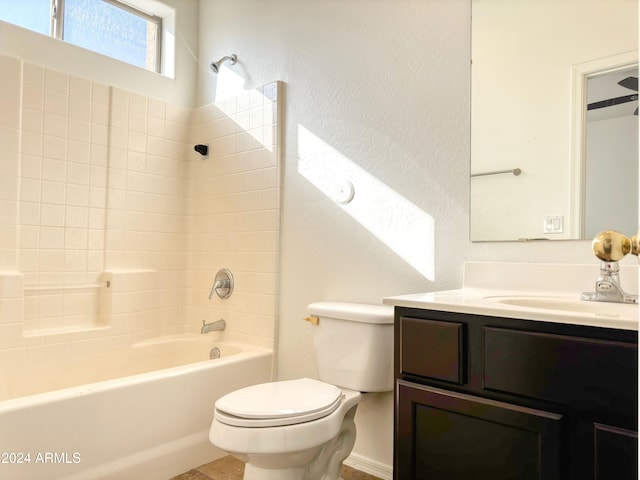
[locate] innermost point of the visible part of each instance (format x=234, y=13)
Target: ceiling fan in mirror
x=629, y=82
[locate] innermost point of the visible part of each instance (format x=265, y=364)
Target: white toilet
x=304, y=429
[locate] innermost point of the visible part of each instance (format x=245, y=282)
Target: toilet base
x=324, y=462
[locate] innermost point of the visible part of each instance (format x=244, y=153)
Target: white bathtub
x=143, y=413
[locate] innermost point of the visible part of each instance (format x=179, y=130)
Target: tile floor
x=229, y=468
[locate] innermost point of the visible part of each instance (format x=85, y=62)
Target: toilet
x=304, y=429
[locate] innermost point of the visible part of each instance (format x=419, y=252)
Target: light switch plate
x=553, y=224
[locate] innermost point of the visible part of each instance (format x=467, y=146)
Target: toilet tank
x=353, y=345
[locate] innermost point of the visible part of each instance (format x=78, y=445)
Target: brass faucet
x=610, y=246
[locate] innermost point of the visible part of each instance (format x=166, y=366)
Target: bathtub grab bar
x=83, y=286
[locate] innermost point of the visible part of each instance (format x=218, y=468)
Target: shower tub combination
x=142, y=413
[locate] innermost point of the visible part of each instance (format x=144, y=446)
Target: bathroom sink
x=529, y=291
x=568, y=305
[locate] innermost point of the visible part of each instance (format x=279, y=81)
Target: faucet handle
x=610, y=246
x=223, y=284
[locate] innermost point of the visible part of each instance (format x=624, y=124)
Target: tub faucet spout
x=213, y=326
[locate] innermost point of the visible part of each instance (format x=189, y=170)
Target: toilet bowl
x=283, y=443
x=304, y=429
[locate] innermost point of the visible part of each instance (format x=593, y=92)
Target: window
x=109, y=27
x=31, y=14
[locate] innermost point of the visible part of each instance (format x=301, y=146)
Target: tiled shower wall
x=112, y=228
x=233, y=213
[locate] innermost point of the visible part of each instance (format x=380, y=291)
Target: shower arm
x=232, y=59
x=215, y=66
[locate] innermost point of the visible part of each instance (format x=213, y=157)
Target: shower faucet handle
x=611, y=246
x=223, y=284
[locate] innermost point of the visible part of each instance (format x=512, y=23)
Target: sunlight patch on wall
x=254, y=111
x=228, y=84
x=403, y=227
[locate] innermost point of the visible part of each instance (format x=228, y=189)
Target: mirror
x=543, y=164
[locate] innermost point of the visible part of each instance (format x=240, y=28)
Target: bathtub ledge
x=46, y=332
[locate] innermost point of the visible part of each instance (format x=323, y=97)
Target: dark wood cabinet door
x=443, y=435
x=616, y=453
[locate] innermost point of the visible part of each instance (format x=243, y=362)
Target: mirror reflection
x=554, y=124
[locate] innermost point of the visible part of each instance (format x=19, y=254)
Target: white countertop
x=540, y=292
x=490, y=303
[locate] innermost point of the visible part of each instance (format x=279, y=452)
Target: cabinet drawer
x=432, y=349
x=571, y=370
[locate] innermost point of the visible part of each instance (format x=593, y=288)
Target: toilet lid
x=278, y=403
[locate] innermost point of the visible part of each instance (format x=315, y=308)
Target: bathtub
x=142, y=413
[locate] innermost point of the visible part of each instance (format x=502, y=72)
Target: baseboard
x=364, y=464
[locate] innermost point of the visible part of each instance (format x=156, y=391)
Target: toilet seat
x=278, y=403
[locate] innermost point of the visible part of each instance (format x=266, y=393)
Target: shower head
x=215, y=66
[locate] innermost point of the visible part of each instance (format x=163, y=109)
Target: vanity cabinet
x=481, y=397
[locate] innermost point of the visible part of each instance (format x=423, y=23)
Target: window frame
x=57, y=26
